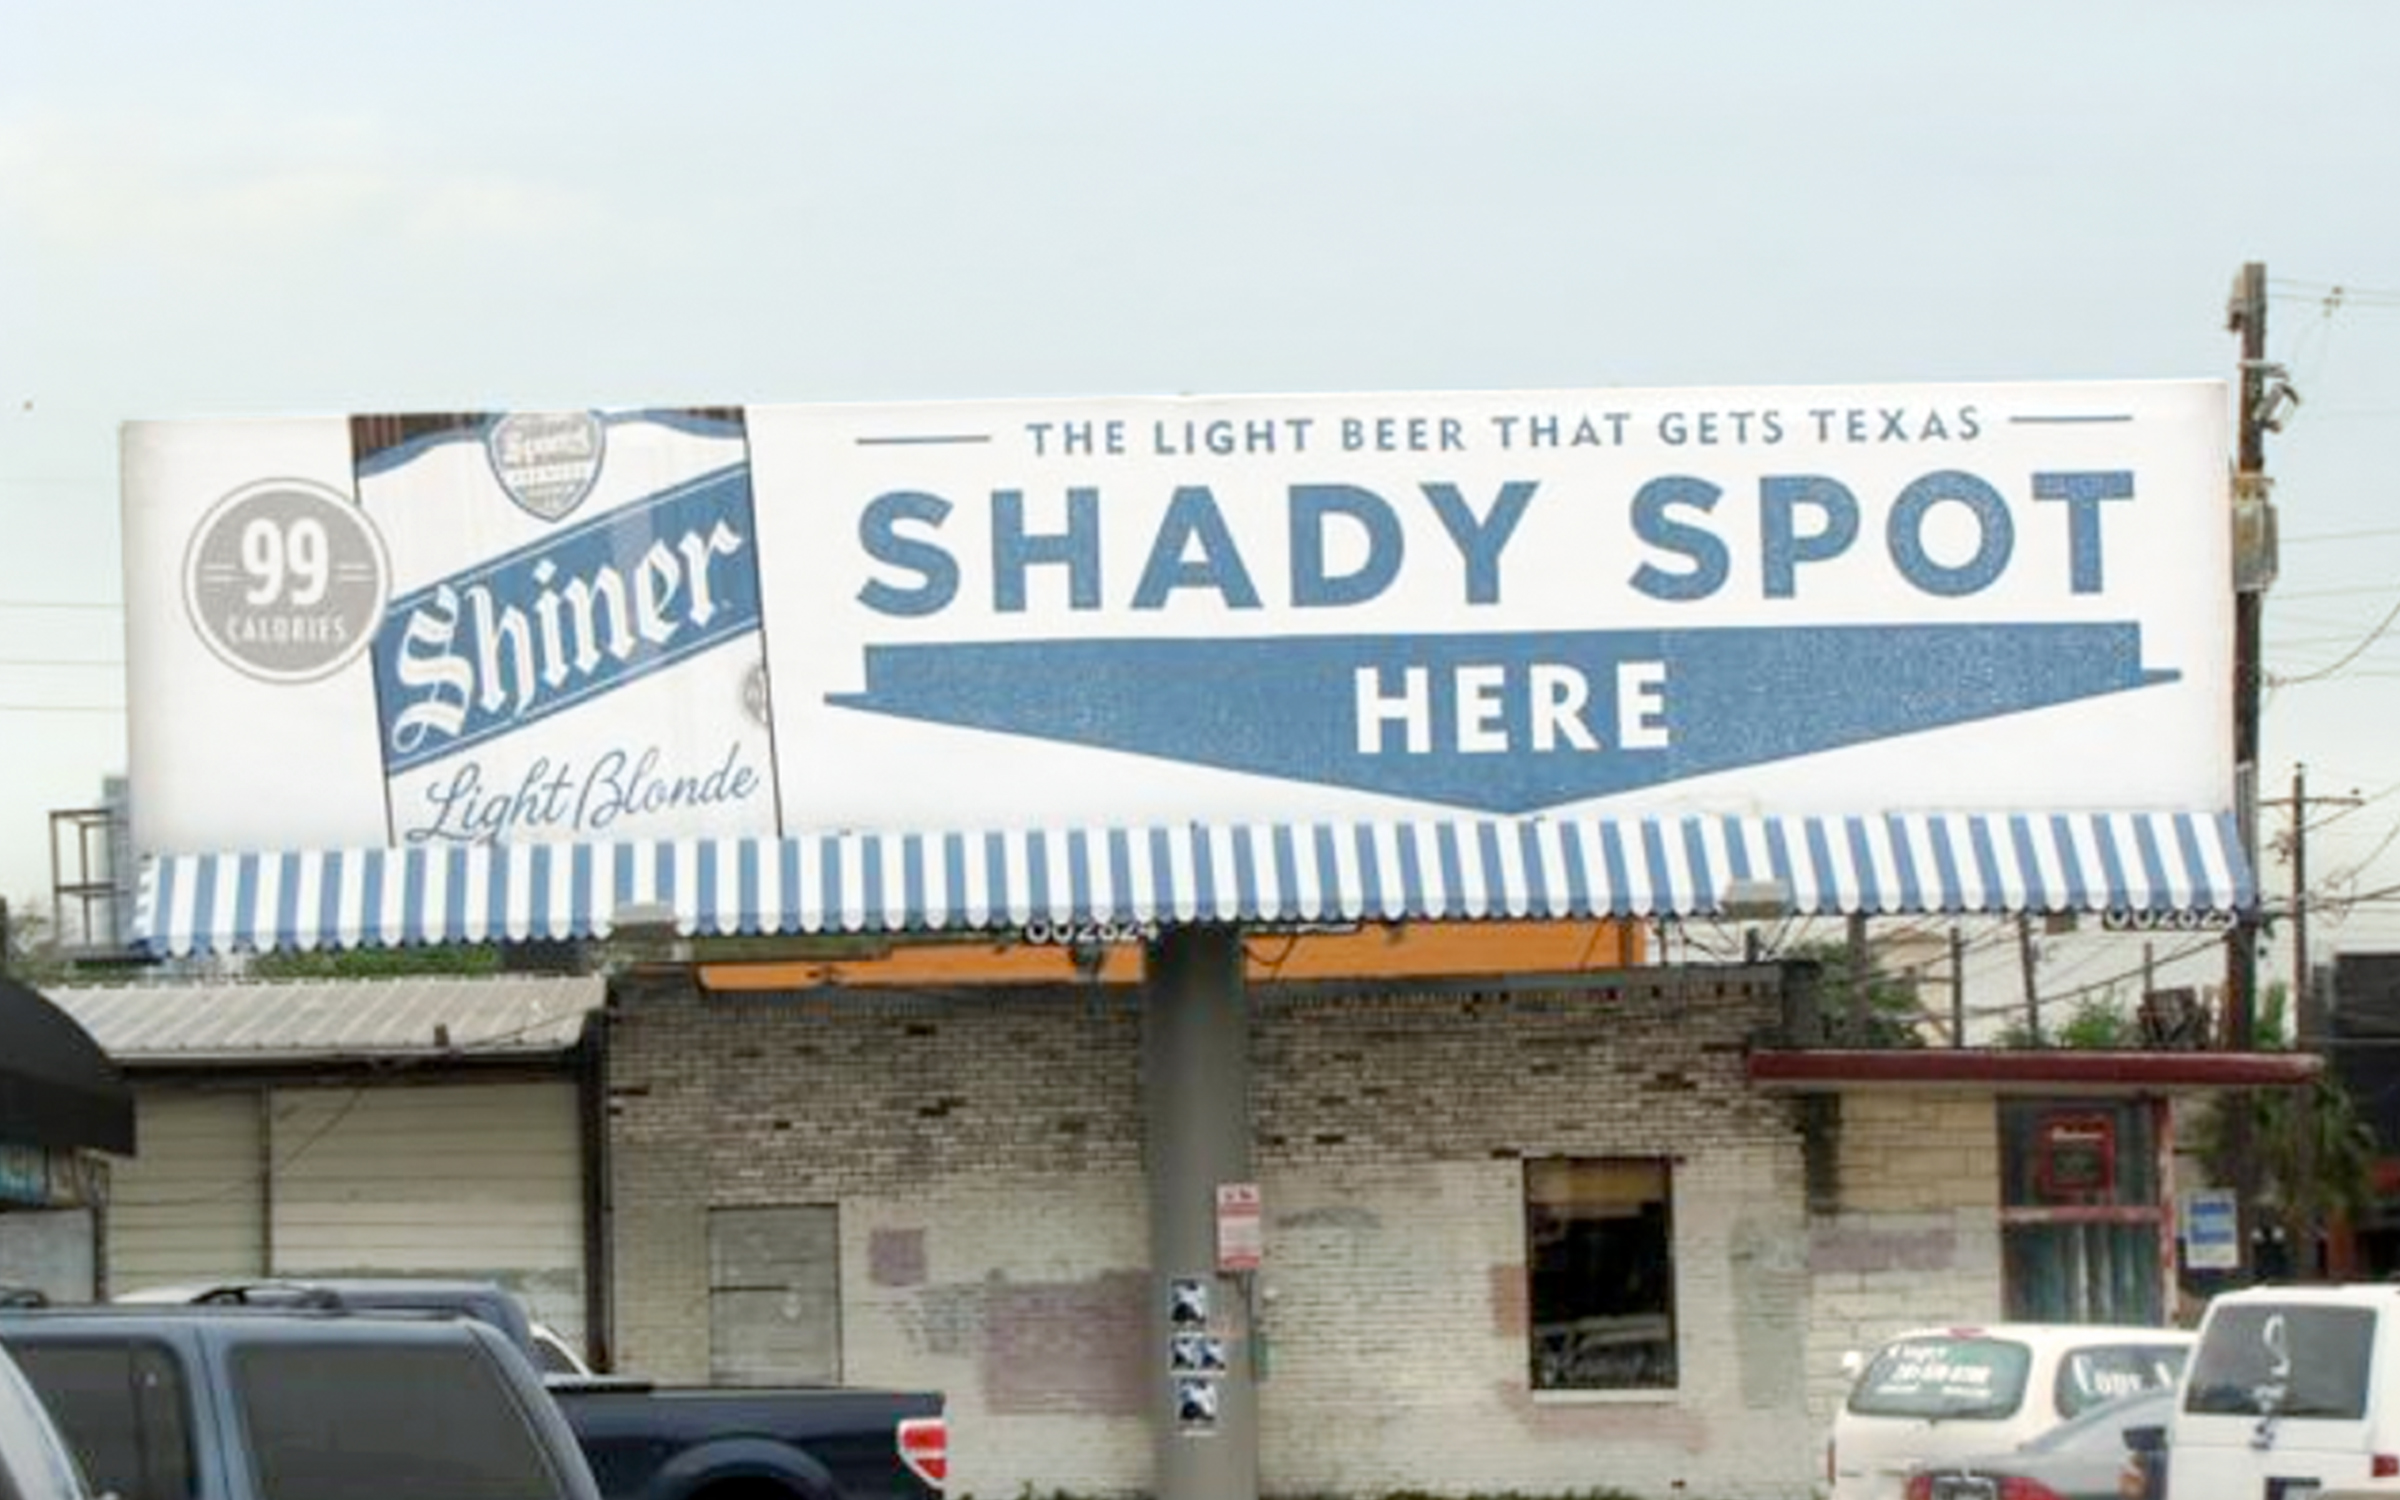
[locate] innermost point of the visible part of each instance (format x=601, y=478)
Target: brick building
x=945, y=1188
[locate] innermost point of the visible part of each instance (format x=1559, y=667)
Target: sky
x=246, y=209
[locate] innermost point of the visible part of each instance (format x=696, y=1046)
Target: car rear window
x=375, y=1421
x=1948, y=1376
x=123, y=1408
x=2289, y=1359
x=2096, y=1373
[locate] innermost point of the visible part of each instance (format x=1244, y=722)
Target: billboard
x=437, y=629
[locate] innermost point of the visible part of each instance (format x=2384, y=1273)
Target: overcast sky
x=242, y=208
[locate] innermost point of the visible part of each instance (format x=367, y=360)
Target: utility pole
x=2300, y=802
x=2033, y=999
x=2262, y=390
x=2247, y=316
x=1859, y=969
x=1958, y=987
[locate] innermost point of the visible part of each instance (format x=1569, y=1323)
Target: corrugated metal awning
x=503, y=1015
x=1258, y=873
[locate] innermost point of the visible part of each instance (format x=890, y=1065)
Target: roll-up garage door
x=448, y=1179
x=192, y=1206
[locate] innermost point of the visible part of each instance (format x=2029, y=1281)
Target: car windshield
x=1945, y=1376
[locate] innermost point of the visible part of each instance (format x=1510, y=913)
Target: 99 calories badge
x=286, y=580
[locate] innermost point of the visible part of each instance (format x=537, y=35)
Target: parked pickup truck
x=226, y=1404
x=652, y=1442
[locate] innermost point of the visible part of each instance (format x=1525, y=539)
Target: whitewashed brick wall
x=985, y=1154
x=1917, y=1240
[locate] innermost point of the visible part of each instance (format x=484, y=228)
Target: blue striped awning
x=2156, y=862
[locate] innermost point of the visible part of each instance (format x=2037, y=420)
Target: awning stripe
x=910, y=881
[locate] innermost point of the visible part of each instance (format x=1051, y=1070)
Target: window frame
x=1541, y=1381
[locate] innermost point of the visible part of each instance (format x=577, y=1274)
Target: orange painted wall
x=1408, y=950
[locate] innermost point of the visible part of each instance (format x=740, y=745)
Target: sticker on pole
x=1241, y=1234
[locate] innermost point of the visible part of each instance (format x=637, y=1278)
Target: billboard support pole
x=1196, y=1104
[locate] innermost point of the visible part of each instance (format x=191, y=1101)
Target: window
x=1944, y=1378
x=121, y=1407
x=2081, y=1226
x=2098, y=1373
x=1600, y=1282
x=33, y=1465
x=2295, y=1360
x=371, y=1421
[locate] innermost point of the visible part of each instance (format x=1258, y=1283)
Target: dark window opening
x=1600, y=1282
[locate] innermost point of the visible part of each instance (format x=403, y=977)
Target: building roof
x=335, y=1020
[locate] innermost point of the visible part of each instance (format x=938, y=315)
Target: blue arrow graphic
x=1505, y=723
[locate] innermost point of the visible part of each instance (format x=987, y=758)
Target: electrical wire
x=2382, y=628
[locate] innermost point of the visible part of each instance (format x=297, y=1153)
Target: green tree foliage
x=2314, y=1153
x=32, y=954
x=1893, y=1015
x=2098, y=1023
x=380, y=963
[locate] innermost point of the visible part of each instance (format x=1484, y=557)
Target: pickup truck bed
x=671, y=1443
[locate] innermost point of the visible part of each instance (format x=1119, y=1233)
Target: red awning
x=2026, y=1069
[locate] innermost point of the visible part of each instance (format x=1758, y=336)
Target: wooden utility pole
x=1958, y=987
x=1860, y=970
x=2299, y=896
x=2033, y=999
x=2300, y=802
x=2247, y=316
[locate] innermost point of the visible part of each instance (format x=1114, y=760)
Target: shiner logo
x=520, y=637
x=547, y=461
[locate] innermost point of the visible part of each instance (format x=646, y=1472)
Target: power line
x=2381, y=628
x=2341, y=536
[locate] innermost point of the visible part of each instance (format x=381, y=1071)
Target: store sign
x=2211, y=1231
x=590, y=626
x=2075, y=1159
x=1241, y=1227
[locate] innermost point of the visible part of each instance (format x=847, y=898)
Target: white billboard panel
x=609, y=625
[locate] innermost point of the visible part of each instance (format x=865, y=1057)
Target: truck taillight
x=2387, y=1466
x=925, y=1448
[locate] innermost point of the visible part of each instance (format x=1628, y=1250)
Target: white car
x=1942, y=1393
